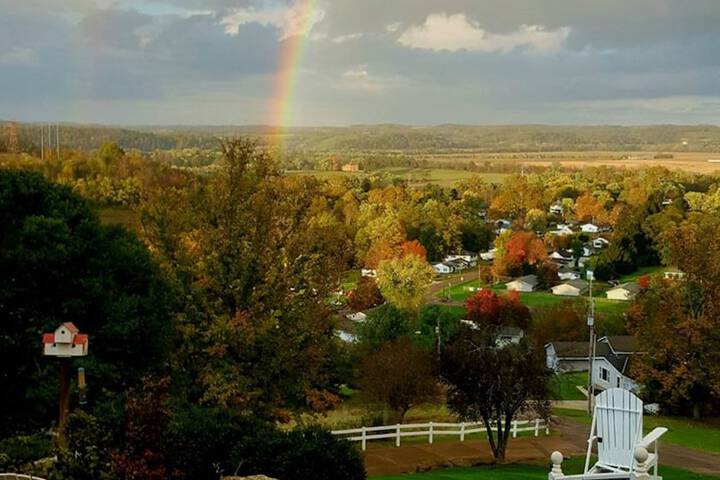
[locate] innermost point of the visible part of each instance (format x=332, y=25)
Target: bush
x=199, y=442
x=87, y=454
x=18, y=453
x=309, y=452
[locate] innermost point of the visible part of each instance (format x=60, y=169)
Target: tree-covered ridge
x=490, y=138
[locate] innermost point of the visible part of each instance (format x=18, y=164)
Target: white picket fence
x=433, y=429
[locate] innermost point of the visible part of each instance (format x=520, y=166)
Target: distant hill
x=498, y=138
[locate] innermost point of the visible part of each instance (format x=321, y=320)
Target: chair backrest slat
x=618, y=419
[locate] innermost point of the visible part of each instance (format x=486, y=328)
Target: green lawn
x=527, y=472
x=698, y=434
x=564, y=386
x=461, y=291
x=631, y=277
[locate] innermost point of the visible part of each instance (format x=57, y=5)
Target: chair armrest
x=652, y=437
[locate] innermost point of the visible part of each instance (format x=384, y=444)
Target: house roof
x=529, y=279
x=631, y=287
x=622, y=343
x=71, y=327
x=579, y=284
x=570, y=349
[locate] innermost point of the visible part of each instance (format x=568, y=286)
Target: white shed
x=589, y=228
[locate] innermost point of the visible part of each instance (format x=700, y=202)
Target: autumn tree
x=413, y=247
x=404, y=281
x=677, y=322
x=518, y=195
x=547, y=274
x=518, y=253
x=366, y=295
x=400, y=375
x=493, y=385
x=491, y=311
x=382, y=325
x=256, y=254
x=589, y=209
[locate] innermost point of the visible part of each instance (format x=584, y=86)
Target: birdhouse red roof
x=71, y=327
x=48, y=338
x=80, y=339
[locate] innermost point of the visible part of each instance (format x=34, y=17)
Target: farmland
x=414, y=176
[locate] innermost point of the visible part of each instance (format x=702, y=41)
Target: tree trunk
x=697, y=411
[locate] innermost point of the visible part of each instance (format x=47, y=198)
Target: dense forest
x=490, y=138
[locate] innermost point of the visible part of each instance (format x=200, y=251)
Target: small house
x=673, y=274
x=571, y=288
x=489, y=255
x=556, y=209
x=66, y=341
x=443, y=268
x=600, y=242
x=469, y=258
x=358, y=317
x=523, y=284
x=568, y=274
x=562, y=230
x=626, y=291
x=508, y=336
x=589, y=228
x=368, y=272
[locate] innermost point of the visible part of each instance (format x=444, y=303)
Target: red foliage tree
x=366, y=295
x=489, y=310
x=644, y=282
x=413, y=247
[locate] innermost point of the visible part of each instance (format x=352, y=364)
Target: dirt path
x=571, y=441
x=418, y=457
x=689, y=459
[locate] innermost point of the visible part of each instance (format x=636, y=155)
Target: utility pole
x=57, y=140
x=591, y=343
x=42, y=142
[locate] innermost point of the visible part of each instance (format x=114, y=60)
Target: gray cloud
x=173, y=61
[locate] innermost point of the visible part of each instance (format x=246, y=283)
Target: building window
x=604, y=374
x=618, y=382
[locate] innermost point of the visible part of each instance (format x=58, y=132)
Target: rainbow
x=291, y=52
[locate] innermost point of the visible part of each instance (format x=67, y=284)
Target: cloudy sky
x=364, y=61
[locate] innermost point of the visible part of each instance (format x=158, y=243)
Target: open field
x=697, y=434
x=526, y=472
x=414, y=176
x=696, y=162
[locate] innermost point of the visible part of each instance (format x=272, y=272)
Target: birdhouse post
x=65, y=343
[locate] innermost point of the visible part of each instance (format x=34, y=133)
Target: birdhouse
x=66, y=341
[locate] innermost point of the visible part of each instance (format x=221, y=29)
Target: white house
x=508, y=336
x=626, y=291
x=556, y=209
x=469, y=258
x=571, y=288
x=600, y=242
x=368, y=272
x=356, y=317
x=562, y=230
x=66, y=341
x=589, y=228
x=443, y=267
x=559, y=257
x=611, y=363
x=523, y=284
x=567, y=274
x=489, y=255
x=673, y=274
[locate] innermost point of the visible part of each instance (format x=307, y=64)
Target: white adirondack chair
x=617, y=430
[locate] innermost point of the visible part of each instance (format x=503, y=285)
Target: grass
x=564, y=386
x=350, y=280
x=632, y=277
x=541, y=299
x=698, y=434
x=527, y=472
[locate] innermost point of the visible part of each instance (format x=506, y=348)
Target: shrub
x=18, y=453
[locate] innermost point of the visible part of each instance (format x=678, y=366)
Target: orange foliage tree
x=517, y=250
x=413, y=247
x=589, y=208
x=489, y=310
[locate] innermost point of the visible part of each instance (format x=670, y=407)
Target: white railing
x=433, y=429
